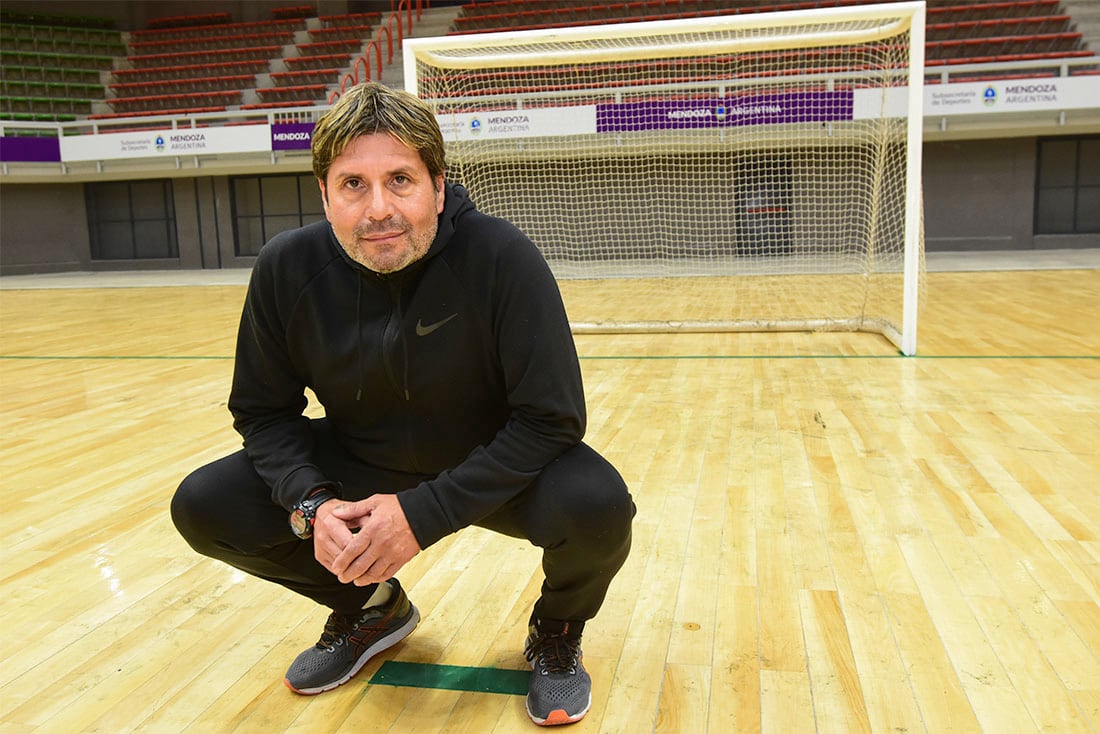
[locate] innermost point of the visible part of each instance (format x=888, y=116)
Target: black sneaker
x=561, y=689
x=349, y=641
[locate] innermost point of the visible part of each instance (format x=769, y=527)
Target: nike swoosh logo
x=422, y=330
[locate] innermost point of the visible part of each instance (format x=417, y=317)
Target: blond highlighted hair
x=371, y=108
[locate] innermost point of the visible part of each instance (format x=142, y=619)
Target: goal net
x=755, y=171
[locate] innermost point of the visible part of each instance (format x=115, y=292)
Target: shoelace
x=556, y=653
x=337, y=627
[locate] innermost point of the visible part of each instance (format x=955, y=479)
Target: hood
x=456, y=203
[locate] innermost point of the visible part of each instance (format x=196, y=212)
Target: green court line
x=176, y=357
x=452, y=678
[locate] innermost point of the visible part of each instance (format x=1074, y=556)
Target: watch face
x=300, y=525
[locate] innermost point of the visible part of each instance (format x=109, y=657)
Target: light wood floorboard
x=830, y=537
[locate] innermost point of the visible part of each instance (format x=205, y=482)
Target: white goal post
x=740, y=172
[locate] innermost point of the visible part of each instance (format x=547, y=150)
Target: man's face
x=382, y=202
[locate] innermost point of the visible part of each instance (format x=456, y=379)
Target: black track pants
x=578, y=511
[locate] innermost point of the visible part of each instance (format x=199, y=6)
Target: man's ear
x=440, y=189
x=324, y=193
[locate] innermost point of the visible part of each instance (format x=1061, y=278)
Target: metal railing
x=939, y=75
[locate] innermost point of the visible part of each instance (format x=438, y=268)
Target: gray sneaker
x=561, y=689
x=349, y=641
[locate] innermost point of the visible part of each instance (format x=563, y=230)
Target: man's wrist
x=304, y=513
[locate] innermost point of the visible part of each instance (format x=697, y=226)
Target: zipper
x=395, y=347
x=392, y=341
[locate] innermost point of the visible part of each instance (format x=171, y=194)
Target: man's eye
x=353, y=183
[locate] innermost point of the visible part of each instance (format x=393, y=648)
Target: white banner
x=979, y=98
x=167, y=143
x=521, y=123
x=1012, y=95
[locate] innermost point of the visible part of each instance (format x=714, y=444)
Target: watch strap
x=304, y=513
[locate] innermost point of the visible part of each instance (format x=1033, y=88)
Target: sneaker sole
x=383, y=643
x=559, y=716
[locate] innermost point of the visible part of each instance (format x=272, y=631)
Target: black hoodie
x=460, y=367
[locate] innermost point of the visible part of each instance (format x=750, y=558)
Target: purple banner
x=30, y=150
x=761, y=109
x=291, y=136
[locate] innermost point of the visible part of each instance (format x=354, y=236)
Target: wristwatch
x=304, y=513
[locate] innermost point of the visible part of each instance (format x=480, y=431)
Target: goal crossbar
x=493, y=47
x=755, y=159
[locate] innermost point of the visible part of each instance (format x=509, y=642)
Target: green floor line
x=452, y=678
x=176, y=357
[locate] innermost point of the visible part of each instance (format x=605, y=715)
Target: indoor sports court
x=841, y=526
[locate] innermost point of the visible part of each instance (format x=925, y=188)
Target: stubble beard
x=393, y=258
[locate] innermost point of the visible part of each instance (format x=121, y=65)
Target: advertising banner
x=1012, y=95
x=521, y=123
x=167, y=143
x=761, y=109
x=30, y=150
x=291, y=136
x=963, y=98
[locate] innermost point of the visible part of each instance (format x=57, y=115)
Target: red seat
x=301, y=92
x=180, y=111
x=159, y=102
x=276, y=105
x=320, y=61
x=320, y=35
x=350, y=19
x=191, y=57
x=183, y=21
x=190, y=71
x=179, y=86
x=212, y=43
x=296, y=11
x=328, y=48
x=304, y=76
x=220, y=29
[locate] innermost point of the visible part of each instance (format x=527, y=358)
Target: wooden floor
x=830, y=537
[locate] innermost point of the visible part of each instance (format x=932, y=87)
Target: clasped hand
x=363, y=542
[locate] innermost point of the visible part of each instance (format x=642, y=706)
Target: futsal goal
x=753, y=171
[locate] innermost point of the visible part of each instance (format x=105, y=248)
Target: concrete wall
x=978, y=194
x=43, y=229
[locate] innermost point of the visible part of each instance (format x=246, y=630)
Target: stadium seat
x=51, y=64
x=182, y=101
x=350, y=19
x=302, y=93
x=318, y=61
x=219, y=43
x=295, y=11
x=289, y=25
x=180, y=58
x=346, y=46
x=183, y=21
x=191, y=71
x=958, y=31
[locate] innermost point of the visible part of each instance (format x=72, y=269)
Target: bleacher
x=50, y=65
x=57, y=68
x=958, y=31
x=168, y=64
x=62, y=68
x=318, y=62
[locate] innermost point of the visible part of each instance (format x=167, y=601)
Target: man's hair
x=371, y=108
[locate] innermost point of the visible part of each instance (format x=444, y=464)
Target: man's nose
x=379, y=205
